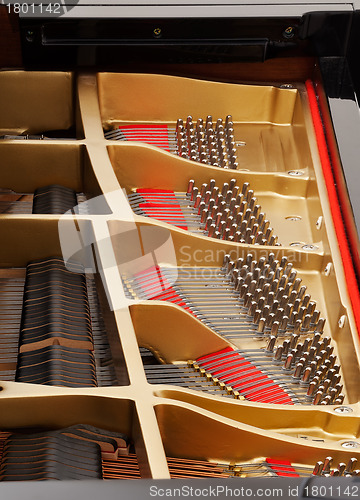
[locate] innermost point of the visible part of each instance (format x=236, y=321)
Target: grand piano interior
x=179, y=265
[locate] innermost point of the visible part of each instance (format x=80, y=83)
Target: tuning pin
x=190, y=187
x=351, y=465
x=318, y=469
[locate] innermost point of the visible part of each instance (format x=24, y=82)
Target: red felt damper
x=241, y=370
x=330, y=182
x=162, y=211
x=154, y=134
x=143, y=191
x=282, y=467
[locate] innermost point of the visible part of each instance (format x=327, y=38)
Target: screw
x=350, y=444
x=296, y=244
x=342, y=321
x=319, y=222
x=157, y=32
x=293, y=217
x=289, y=32
x=286, y=86
x=327, y=269
x=295, y=172
x=343, y=409
x=29, y=36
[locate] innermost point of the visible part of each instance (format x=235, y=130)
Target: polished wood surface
x=10, y=53
x=285, y=70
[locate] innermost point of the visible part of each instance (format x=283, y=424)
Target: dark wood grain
x=10, y=51
x=289, y=69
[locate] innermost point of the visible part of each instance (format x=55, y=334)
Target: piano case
x=179, y=215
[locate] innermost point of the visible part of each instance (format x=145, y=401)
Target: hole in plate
x=310, y=247
x=293, y=217
x=295, y=173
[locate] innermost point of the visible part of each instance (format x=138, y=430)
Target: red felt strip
x=159, y=205
x=137, y=126
x=153, y=190
x=330, y=182
x=166, y=212
x=154, y=134
x=245, y=369
x=282, y=467
x=218, y=353
x=175, y=298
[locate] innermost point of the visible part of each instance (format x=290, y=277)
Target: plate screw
x=286, y=86
x=296, y=244
x=343, y=409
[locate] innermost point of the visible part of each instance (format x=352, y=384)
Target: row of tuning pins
x=312, y=364
x=277, y=302
x=345, y=470
x=273, y=294
x=230, y=212
x=207, y=143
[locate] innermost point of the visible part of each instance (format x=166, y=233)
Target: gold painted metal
x=317, y=422
x=280, y=196
x=188, y=432
x=267, y=119
x=166, y=420
x=209, y=253
x=32, y=102
x=28, y=165
x=171, y=333
x=156, y=98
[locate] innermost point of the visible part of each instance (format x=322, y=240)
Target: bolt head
x=343, y=409
x=350, y=444
x=289, y=32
